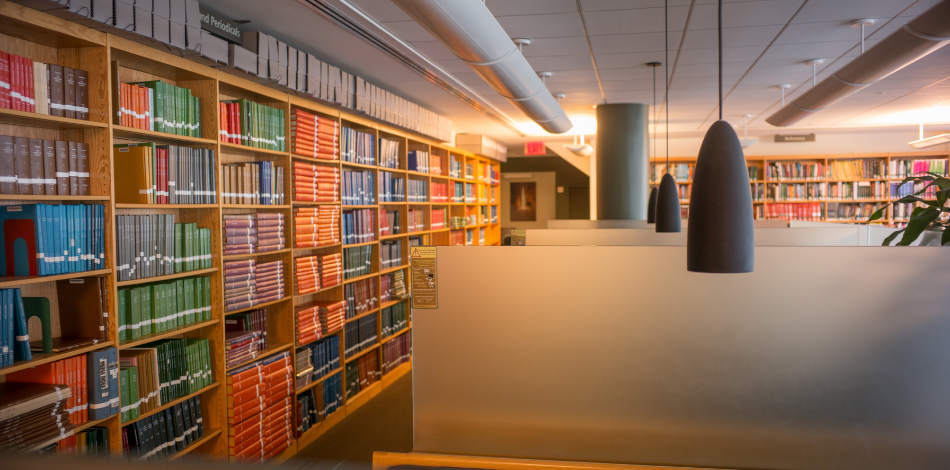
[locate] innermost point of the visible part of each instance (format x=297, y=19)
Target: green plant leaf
x=942, y=183
x=918, y=224
x=942, y=196
x=891, y=237
x=906, y=199
x=945, y=238
x=877, y=214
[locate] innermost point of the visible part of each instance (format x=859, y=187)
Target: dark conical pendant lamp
x=720, y=237
x=651, y=205
x=668, y=216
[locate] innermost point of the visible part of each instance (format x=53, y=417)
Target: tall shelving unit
x=45, y=38
x=767, y=182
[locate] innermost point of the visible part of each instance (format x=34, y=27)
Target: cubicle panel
x=589, y=224
x=823, y=358
x=824, y=236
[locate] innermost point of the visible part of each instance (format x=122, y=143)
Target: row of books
x=314, y=136
x=361, y=297
x=469, y=171
x=857, y=190
x=247, y=283
x=41, y=88
x=160, y=107
x=456, y=223
x=357, y=261
x=494, y=214
x=310, y=411
x=56, y=239
x=388, y=222
x=245, y=336
x=315, y=273
x=679, y=171
x=246, y=122
x=164, y=174
x=488, y=174
x=758, y=191
x=316, y=183
x=361, y=373
x=162, y=372
x=905, y=168
x=43, y=167
x=417, y=191
x=440, y=192
x=155, y=245
x=786, y=211
x=416, y=220
x=93, y=441
x=458, y=192
x=358, y=226
x=796, y=192
x=260, y=183
x=864, y=168
x=391, y=188
x=165, y=433
x=393, y=319
x=755, y=173
x=389, y=153
x=857, y=212
x=469, y=193
x=259, y=232
x=902, y=211
x=318, y=319
x=163, y=306
x=14, y=333
x=455, y=167
x=357, y=147
x=437, y=219
x=392, y=286
x=419, y=162
x=390, y=254
x=684, y=190
x=359, y=335
x=481, y=236
x=316, y=226
x=358, y=188
x=260, y=408
x=317, y=360
x=457, y=238
x=397, y=352
x=37, y=408
x=796, y=171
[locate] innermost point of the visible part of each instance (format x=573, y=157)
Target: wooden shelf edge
x=166, y=334
x=317, y=382
x=249, y=149
x=195, y=444
x=364, y=314
x=258, y=306
x=172, y=403
x=394, y=269
x=361, y=353
x=133, y=133
x=396, y=334
x=360, y=278
x=268, y=352
x=12, y=281
x=148, y=280
x=124, y=205
x=43, y=198
x=255, y=255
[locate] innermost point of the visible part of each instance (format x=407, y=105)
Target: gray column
x=623, y=163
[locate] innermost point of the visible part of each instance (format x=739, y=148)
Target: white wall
x=547, y=206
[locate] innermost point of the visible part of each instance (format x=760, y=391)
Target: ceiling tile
x=606, y=5
x=729, y=54
x=847, y=10
x=528, y=7
x=731, y=37
x=812, y=50
x=636, y=42
x=799, y=33
x=558, y=63
x=543, y=26
x=574, y=45
x=631, y=60
x=638, y=85
x=752, y=13
x=633, y=21
x=630, y=73
x=382, y=11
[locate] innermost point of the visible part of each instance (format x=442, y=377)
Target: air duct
x=470, y=31
x=923, y=35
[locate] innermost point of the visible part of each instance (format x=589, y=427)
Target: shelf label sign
x=220, y=26
x=793, y=139
x=423, y=277
x=534, y=148
x=518, y=236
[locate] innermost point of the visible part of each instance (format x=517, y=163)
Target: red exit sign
x=534, y=148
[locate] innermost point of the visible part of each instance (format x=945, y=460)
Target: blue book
x=5, y=336
x=56, y=237
x=97, y=380
x=115, y=403
x=21, y=329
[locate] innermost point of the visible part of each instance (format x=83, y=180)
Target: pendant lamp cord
x=652, y=170
x=666, y=63
x=720, y=60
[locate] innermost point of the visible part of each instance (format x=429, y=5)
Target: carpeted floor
x=383, y=424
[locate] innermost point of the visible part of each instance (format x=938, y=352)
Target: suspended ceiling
x=766, y=43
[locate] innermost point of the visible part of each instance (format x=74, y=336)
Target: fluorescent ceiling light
x=930, y=141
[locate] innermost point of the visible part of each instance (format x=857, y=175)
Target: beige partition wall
x=823, y=358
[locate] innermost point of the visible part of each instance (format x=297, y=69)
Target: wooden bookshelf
x=104, y=56
x=824, y=183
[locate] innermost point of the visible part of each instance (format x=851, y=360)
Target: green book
x=180, y=301
x=179, y=247
x=199, y=298
x=148, y=315
x=124, y=312
x=133, y=392
x=135, y=324
x=207, y=299
x=124, y=394
x=172, y=308
x=189, y=300
x=160, y=293
x=189, y=247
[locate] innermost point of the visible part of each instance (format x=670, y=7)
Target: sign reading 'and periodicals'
x=220, y=26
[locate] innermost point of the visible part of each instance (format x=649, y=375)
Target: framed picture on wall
x=524, y=207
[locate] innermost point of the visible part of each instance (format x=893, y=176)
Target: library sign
x=220, y=26
x=423, y=278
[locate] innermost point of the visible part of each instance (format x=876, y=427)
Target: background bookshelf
x=111, y=60
x=828, y=188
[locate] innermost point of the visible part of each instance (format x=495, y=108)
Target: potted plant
x=933, y=216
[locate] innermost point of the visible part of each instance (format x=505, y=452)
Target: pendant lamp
x=668, y=216
x=720, y=236
x=651, y=205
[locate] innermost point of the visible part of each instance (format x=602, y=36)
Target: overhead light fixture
x=923, y=143
x=746, y=141
x=862, y=23
x=668, y=215
x=720, y=236
x=651, y=204
x=921, y=36
x=580, y=149
x=814, y=69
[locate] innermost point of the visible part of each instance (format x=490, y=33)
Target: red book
x=5, y=80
